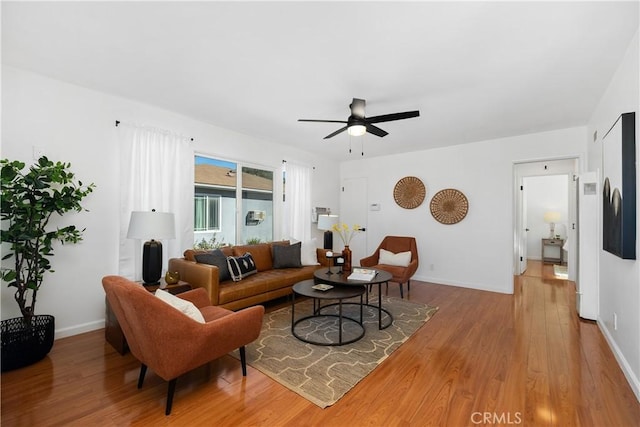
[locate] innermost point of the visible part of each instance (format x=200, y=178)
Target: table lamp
x=326, y=222
x=552, y=217
x=151, y=225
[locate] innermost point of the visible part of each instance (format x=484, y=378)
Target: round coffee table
x=340, y=293
x=341, y=279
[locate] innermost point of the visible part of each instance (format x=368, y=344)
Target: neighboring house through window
x=220, y=192
x=207, y=212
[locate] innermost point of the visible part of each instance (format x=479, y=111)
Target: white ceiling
x=475, y=70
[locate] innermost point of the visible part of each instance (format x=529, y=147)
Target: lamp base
x=151, y=262
x=328, y=239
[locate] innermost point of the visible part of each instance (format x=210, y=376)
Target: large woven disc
x=449, y=206
x=409, y=192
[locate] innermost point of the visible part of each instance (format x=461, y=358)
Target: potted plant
x=29, y=201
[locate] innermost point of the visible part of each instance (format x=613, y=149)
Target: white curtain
x=156, y=173
x=297, y=203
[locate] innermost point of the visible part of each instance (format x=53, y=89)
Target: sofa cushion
x=286, y=256
x=401, y=259
x=190, y=254
x=241, y=266
x=261, y=254
x=309, y=253
x=217, y=258
x=184, y=306
x=263, y=283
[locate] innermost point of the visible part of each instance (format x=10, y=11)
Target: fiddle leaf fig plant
x=29, y=201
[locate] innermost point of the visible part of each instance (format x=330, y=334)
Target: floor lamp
x=151, y=225
x=326, y=222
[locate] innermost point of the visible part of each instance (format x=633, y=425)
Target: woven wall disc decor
x=409, y=192
x=449, y=206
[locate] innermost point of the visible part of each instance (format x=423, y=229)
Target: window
x=221, y=192
x=207, y=212
x=257, y=205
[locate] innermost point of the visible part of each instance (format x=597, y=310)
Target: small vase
x=346, y=254
x=172, y=277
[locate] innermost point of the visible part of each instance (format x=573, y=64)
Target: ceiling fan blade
x=322, y=121
x=392, y=117
x=376, y=130
x=357, y=107
x=331, y=135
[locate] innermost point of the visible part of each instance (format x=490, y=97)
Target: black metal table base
x=379, y=306
x=317, y=314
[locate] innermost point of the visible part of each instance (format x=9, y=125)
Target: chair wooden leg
x=171, y=390
x=243, y=361
x=401, y=294
x=143, y=372
x=408, y=285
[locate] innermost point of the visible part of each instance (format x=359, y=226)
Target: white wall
x=478, y=251
x=74, y=124
x=620, y=279
x=544, y=194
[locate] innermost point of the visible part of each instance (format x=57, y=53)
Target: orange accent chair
x=400, y=274
x=170, y=342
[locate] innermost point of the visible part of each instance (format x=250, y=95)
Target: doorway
x=545, y=193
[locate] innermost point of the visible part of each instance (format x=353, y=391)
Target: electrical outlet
x=615, y=322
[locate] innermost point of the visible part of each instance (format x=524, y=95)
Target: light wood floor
x=483, y=359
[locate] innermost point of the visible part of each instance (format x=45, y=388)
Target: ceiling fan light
x=357, y=130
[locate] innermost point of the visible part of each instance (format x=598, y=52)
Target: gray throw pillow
x=287, y=256
x=217, y=258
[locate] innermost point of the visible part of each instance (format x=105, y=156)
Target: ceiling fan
x=357, y=124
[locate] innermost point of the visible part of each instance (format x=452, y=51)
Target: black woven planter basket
x=22, y=345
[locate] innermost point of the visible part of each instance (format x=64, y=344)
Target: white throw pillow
x=401, y=259
x=184, y=306
x=308, y=254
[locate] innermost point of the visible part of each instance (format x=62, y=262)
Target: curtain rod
x=300, y=164
x=118, y=122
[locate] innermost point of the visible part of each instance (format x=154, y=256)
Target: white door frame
x=569, y=165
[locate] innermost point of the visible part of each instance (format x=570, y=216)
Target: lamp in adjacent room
x=326, y=222
x=552, y=217
x=153, y=226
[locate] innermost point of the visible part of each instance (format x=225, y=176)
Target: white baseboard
x=79, y=329
x=477, y=286
x=633, y=380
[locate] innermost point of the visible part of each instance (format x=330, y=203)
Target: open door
x=523, y=201
x=522, y=248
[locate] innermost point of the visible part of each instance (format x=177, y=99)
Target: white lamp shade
x=325, y=222
x=147, y=225
x=551, y=216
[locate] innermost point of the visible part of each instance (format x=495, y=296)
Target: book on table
x=363, y=274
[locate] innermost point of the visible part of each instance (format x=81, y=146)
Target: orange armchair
x=171, y=343
x=395, y=244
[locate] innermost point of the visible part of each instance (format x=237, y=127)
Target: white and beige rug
x=323, y=374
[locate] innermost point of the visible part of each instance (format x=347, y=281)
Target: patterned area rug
x=323, y=374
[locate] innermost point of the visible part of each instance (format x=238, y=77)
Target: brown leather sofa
x=267, y=284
